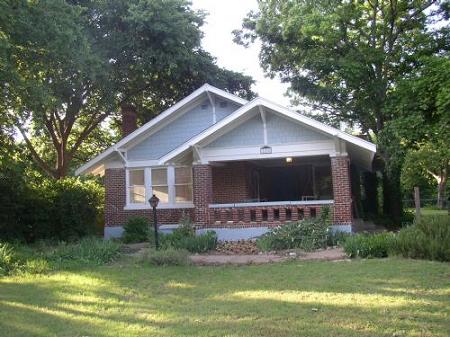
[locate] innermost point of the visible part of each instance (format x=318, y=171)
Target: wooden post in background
x=417, y=202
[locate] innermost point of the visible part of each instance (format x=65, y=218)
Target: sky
x=223, y=17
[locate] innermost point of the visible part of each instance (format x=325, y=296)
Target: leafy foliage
x=193, y=243
x=136, y=229
x=45, y=209
x=307, y=234
x=428, y=239
x=184, y=237
x=369, y=245
x=67, y=67
x=89, y=250
x=347, y=58
x=7, y=258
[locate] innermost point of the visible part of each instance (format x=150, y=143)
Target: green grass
x=387, y=297
x=430, y=211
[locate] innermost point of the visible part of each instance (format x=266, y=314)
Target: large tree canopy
x=346, y=57
x=421, y=104
x=68, y=66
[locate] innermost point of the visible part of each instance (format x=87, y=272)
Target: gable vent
x=204, y=106
x=223, y=104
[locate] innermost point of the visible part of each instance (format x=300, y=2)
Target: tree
x=345, y=57
x=156, y=55
x=429, y=160
x=69, y=65
x=57, y=91
x=421, y=103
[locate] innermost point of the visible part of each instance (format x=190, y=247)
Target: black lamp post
x=154, y=203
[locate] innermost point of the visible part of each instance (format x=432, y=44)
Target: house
x=235, y=166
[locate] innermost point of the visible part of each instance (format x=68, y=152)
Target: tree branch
x=41, y=163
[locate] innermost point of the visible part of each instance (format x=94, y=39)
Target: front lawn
x=389, y=297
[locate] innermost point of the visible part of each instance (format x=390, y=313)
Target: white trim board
x=272, y=203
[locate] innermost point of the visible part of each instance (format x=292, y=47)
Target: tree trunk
x=441, y=191
x=370, y=184
x=392, y=196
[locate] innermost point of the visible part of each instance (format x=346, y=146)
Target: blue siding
x=179, y=131
x=281, y=130
x=248, y=133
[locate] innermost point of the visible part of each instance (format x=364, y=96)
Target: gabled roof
x=206, y=88
x=259, y=101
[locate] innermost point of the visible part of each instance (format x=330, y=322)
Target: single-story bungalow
x=234, y=166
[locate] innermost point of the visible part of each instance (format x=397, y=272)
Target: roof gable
x=137, y=136
x=262, y=103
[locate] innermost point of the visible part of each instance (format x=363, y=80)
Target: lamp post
x=154, y=203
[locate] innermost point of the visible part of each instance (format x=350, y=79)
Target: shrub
x=369, y=245
x=167, y=257
x=89, y=250
x=45, y=208
x=427, y=239
x=8, y=259
x=184, y=237
x=136, y=230
x=307, y=234
x=192, y=243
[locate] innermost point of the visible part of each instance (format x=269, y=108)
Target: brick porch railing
x=263, y=214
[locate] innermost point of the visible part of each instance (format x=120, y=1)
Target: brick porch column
x=202, y=193
x=340, y=171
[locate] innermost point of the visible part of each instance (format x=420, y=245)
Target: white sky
x=225, y=16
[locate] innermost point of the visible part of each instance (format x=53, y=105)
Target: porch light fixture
x=289, y=160
x=154, y=200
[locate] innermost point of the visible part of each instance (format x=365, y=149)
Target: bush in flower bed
x=90, y=250
x=307, y=234
x=369, y=245
x=136, y=229
x=184, y=237
x=427, y=239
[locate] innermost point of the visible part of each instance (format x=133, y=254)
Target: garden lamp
x=154, y=200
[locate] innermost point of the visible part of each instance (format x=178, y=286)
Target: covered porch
x=270, y=191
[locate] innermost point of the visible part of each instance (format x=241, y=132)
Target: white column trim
x=148, y=184
x=171, y=184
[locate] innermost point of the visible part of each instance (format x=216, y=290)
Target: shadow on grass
x=362, y=298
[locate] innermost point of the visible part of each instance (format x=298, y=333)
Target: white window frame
x=127, y=180
x=149, y=188
x=175, y=184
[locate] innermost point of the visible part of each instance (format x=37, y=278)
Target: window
x=160, y=186
x=136, y=187
x=172, y=185
x=183, y=184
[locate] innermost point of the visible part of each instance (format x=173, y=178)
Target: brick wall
x=231, y=183
x=202, y=192
x=340, y=171
x=115, y=200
